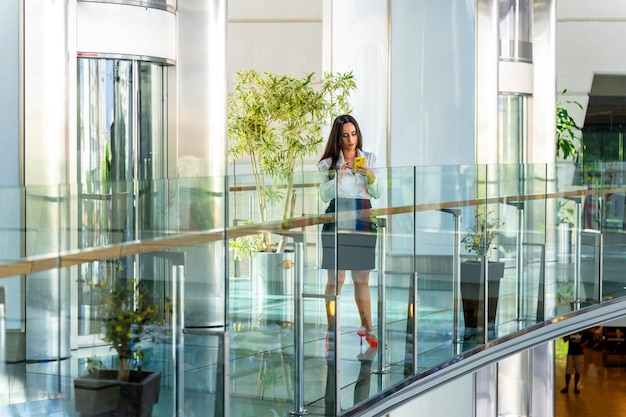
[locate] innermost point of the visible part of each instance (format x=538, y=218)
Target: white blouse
x=350, y=185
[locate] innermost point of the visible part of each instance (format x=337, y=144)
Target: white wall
x=10, y=236
x=432, y=115
x=432, y=86
x=455, y=398
x=9, y=93
x=360, y=44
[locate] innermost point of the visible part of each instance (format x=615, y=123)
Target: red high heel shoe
x=329, y=341
x=370, y=337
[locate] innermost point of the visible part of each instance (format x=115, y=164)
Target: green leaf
x=568, y=133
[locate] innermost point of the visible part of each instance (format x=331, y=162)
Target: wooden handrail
x=52, y=261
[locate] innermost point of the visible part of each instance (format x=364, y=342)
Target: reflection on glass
x=151, y=152
x=118, y=144
x=426, y=322
x=515, y=29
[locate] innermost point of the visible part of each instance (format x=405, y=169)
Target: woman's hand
x=343, y=169
x=367, y=172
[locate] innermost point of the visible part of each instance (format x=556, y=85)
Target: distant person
x=574, y=360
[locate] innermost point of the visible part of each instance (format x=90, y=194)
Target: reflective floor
x=601, y=387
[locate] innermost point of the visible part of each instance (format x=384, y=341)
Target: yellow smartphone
x=359, y=162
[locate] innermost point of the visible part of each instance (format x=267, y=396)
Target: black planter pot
x=472, y=293
x=101, y=394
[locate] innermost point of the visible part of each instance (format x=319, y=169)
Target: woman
x=356, y=238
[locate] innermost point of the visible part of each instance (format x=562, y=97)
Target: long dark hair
x=333, y=146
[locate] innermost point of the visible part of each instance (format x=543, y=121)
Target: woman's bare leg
x=330, y=290
x=363, y=298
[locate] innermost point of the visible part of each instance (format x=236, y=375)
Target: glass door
x=121, y=136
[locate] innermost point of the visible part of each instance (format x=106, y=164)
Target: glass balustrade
x=233, y=308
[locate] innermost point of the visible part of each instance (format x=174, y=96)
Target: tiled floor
x=601, y=387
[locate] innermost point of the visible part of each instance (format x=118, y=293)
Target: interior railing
x=264, y=332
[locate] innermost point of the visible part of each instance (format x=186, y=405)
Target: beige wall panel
x=122, y=29
x=286, y=48
x=588, y=9
x=274, y=9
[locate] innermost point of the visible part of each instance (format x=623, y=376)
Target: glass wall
x=294, y=341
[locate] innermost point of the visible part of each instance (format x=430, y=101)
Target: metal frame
x=150, y=4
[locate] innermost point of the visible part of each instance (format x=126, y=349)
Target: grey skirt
x=356, y=251
x=356, y=239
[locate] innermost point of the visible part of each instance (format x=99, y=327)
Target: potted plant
x=565, y=224
x=276, y=120
x=129, y=317
x=568, y=139
x=565, y=295
x=479, y=240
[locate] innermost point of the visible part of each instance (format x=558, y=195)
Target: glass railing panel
x=349, y=258
x=266, y=337
x=477, y=234
x=504, y=219
x=277, y=305
x=116, y=212
x=532, y=259
x=105, y=213
x=438, y=226
x=156, y=213
x=564, y=222
x=395, y=289
x=611, y=204
x=505, y=285
x=520, y=240
x=11, y=219
x=43, y=211
x=13, y=236
x=132, y=328
x=348, y=286
x=195, y=204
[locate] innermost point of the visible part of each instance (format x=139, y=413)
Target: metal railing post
x=382, y=294
x=178, y=337
x=484, y=265
x=519, y=264
x=577, y=257
x=456, y=278
x=298, y=334
x=298, y=320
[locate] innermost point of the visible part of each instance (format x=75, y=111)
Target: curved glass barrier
x=311, y=302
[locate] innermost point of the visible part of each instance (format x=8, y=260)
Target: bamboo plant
x=276, y=120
